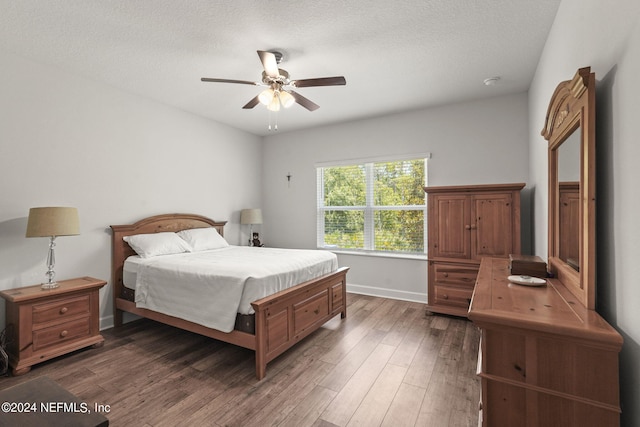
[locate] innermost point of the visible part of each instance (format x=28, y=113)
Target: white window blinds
x=373, y=206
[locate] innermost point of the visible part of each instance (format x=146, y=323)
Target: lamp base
x=51, y=285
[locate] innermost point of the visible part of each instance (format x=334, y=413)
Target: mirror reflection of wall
x=569, y=195
x=569, y=158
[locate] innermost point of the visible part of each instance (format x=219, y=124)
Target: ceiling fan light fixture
x=266, y=96
x=286, y=99
x=274, y=105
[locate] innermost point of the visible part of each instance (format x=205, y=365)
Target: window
x=373, y=206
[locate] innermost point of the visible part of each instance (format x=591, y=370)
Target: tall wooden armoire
x=466, y=223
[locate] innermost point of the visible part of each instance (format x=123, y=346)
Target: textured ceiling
x=395, y=56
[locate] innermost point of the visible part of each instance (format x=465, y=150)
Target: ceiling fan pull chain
x=275, y=127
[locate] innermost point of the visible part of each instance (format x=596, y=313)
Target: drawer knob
x=63, y=333
x=445, y=296
x=445, y=274
x=63, y=310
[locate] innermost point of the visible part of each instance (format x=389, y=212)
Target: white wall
x=605, y=36
x=471, y=143
x=66, y=140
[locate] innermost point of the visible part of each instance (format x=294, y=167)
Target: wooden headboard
x=154, y=224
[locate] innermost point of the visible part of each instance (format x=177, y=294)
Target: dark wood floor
x=387, y=364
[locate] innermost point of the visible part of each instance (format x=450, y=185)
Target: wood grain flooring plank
x=341, y=409
x=280, y=393
x=405, y=406
x=308, y=411
x=354, y=327
x=408, y=347
x=424, y=360
x=352, y=361
x=281, y=406
x=438, y=406
x=412, y=317
x=393, y=312
x=442, y=322
x=377, y=401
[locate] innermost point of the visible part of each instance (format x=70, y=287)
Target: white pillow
x=150, y=245
x=203, y=239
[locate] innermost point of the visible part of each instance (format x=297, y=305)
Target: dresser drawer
x=453, y=295
x=60, y=309
x=61, y=333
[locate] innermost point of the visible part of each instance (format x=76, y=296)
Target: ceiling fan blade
x=244, y=82
x=306, y=103
x=255, y=101
x=269, y=63
x=321, y=81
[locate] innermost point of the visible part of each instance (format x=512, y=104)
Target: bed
x=278, y=321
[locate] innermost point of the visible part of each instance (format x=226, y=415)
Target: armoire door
x=449, y=232
x=491, y=225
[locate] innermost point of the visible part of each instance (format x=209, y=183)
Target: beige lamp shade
x=53, y=221
x=251, y=216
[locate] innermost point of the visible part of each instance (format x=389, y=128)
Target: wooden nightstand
x=43, y=324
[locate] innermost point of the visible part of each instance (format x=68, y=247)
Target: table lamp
x=251, y=217
x=52, y=222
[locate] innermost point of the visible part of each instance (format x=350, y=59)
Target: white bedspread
x=210, y=287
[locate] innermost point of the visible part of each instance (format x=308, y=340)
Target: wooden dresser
x=466, y=223
x=545, y=360
x=43, y=324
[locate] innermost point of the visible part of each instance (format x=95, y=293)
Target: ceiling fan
x=279, y=92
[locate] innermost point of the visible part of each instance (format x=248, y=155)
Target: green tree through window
x=373, y=206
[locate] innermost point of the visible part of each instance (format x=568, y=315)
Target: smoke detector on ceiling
x=491, y=81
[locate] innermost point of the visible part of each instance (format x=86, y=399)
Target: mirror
x=569, y=199
x=570, y=130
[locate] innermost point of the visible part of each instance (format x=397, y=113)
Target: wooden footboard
x=282, y=319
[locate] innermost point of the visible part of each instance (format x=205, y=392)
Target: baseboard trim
x=387, y=293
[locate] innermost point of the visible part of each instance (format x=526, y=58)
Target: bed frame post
x=118, y=257
x=261, y=345
x=343, y=286
x=117, y=317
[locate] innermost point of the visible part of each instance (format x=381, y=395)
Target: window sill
x=418, y=257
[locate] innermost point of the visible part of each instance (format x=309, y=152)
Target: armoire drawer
x=453, y=295
x=460, y=275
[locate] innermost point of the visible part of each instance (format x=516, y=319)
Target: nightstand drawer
x=54, y=335
x=62, y=308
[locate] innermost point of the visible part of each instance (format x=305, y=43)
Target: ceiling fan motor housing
x=282, y=79
x=279, y=56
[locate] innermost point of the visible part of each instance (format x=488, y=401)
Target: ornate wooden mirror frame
x=572, y=110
